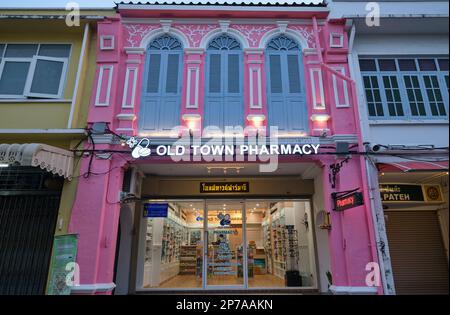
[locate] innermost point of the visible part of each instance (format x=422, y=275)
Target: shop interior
x=199, y=245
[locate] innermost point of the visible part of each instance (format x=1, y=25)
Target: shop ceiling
x=305, y=170
x=414, y=177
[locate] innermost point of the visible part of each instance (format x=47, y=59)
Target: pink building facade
x=344, y=240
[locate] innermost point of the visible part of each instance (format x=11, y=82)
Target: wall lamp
x=320, y=117
x=192, y=121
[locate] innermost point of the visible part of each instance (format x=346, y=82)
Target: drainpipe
x=362, y=161
x=76, y=88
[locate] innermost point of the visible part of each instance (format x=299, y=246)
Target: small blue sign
x=156, y=210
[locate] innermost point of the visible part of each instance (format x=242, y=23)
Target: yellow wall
x=48, y=115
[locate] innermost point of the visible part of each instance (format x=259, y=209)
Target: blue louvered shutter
x=276, y=85
x=154, y=68
x=233, y=74
x=286, y=106
x=214, y=73
x=173, y=66
x=293, y=74
x=161, y=97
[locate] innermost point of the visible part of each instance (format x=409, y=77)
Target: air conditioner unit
x=132, y=181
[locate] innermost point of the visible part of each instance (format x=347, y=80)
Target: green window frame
x=406, y=87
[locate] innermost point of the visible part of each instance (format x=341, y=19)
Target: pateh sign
x=410, y=193
x=156, y=210
x=348, y=201
x=224, y=187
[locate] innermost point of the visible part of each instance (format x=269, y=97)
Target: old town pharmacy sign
x=142, y=147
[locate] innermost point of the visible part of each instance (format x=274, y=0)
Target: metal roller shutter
x=28, y=215
x=418, y=257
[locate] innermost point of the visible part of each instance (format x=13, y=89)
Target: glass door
x=225, y=253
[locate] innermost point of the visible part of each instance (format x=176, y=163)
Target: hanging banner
x=62, y=265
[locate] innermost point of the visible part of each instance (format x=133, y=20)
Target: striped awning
x=413, y=166
x=54, y=160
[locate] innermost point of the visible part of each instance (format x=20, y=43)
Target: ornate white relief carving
x=282, y=25
x=195, y=32
x=253, y=33
x=136, y=32
x=224, y=26
x=166, y=24
x=307, y=33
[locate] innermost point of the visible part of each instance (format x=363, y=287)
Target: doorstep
x=236, y=291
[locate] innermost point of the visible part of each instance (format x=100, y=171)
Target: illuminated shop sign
x=410, y=193
x=141, y=147
x=224, y=187
x=348, y=201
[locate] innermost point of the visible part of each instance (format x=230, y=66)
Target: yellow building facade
x=46, y=78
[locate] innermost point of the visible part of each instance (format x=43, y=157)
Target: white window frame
x=30, y=76
x=25, y=96
x=2, y=65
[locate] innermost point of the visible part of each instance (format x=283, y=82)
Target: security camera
x=376, y=147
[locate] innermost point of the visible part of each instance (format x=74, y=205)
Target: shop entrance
x=224, y=251
x=227, y=244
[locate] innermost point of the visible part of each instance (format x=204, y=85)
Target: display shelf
x=188, y=259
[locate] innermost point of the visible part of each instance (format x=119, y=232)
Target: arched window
x=224, y=104
x=161, y=90
x=286, y=99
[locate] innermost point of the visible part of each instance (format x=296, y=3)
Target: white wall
x=341, y=9
x=417, y=132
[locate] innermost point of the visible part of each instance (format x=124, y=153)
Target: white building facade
x=398, y=56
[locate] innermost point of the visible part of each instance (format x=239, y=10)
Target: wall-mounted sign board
x=348, y=201
x=404, y=193
x=156, y=210
x=224, y=187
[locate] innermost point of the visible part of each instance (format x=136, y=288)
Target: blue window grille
x=406, y=88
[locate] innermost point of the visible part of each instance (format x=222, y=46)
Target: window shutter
x=153, y=73
x=294, y=74
x=275, y=74
x=214, y=73
x=233, y=74
x=173, y=66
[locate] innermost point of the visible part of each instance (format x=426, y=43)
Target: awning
x=413, y=166
x=49, y=158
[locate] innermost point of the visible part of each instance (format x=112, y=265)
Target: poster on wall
x=62, y=264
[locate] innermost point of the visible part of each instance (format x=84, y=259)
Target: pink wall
x=96, y=210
